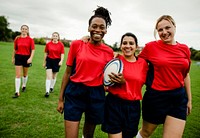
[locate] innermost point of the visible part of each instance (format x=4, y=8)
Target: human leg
x=94, y=111
x=53, y=81
x=71, y=129
x=118, y=135
x=18, y=70
x=147, y=129
x=173, y=127
x=24, y=78
x=88, y=129
x=48, y=81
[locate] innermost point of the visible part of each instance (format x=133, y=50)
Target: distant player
x=24, y=49
x=53, y=59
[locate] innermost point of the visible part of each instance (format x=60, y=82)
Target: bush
x=197, y=56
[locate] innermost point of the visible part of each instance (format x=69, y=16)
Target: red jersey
x=54, y=50
x=168, y=65
x=135, y=76
x=88, y=62
x=24, y=45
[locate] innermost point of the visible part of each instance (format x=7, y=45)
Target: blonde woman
x=167, y=99
x=24, y=49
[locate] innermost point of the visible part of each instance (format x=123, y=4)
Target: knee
x=145, y=133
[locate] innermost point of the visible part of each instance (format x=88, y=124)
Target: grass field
x=32, y=115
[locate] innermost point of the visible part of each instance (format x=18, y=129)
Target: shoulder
x=17, y=38
x=28, y=37
x=60, y=43
x=49, y=43
x=142, y=63
x=151, y=43
x=77, y=42
x=184, y=47
x=141, y=60
x=106, y=47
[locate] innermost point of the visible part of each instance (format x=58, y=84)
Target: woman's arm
x=61, y=60
x=31, y=57
x=65, y=81
x=188, y=91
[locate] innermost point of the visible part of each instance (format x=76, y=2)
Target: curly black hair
x=102, y=13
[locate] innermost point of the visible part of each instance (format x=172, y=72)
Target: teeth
x=97, y=35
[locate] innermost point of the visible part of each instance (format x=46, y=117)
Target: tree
x=5, y=32
x=115, y=47
x=14, y=34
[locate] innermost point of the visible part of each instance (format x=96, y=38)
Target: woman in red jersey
x=24, y=49
x=53, y=59
x=167, y=99
x=82, y=89
x=122, y=105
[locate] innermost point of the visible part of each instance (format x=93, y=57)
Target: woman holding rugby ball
x=24, y=49
x=122, y=105
x=167, y=99
x=82, y=89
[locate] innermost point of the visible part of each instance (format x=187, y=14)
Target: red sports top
x=135, y=76
x=88, y=62
x=24, y=45
x=168, y=65
x=54, y=50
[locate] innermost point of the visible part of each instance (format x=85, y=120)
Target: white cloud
x=70, y=18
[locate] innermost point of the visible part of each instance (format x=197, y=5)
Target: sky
x=70, y=18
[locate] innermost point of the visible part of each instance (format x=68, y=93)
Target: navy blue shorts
x=121, y=116
x=52, y=64
x=21, y=60
x=156, y=105
x=80, y=98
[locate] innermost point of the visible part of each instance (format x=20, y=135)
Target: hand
x=60, y=107
x=44, y=64
x=117, y=78
x=60, y=63
x=85, y=39
x=29, y=61
x=189, y=107
x=116, y=54
x=13, y=60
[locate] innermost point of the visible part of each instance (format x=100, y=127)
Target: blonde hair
x=164, y=17
x=57, y=34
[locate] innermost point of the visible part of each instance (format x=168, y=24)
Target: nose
x=164, y=31
x=128, y=45
x=97, y=29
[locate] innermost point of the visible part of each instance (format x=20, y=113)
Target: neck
x=55, y=41
x=130, y=58
x=95, y=42
x=24, y=35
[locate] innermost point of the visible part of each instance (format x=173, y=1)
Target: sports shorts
x=52, y=64
x=80, y=99
x=21, y=60
x=121, y=116
x=156, y=105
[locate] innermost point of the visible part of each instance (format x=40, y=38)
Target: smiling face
x=128, y=46
x=55, y=37
x=24, y=30
x=166, y=31
x=97, y=30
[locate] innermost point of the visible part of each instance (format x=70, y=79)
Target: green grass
x=33, y=115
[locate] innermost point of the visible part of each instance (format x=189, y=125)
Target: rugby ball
x=115, y=66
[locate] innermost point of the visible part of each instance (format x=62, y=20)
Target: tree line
x=8, y=35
